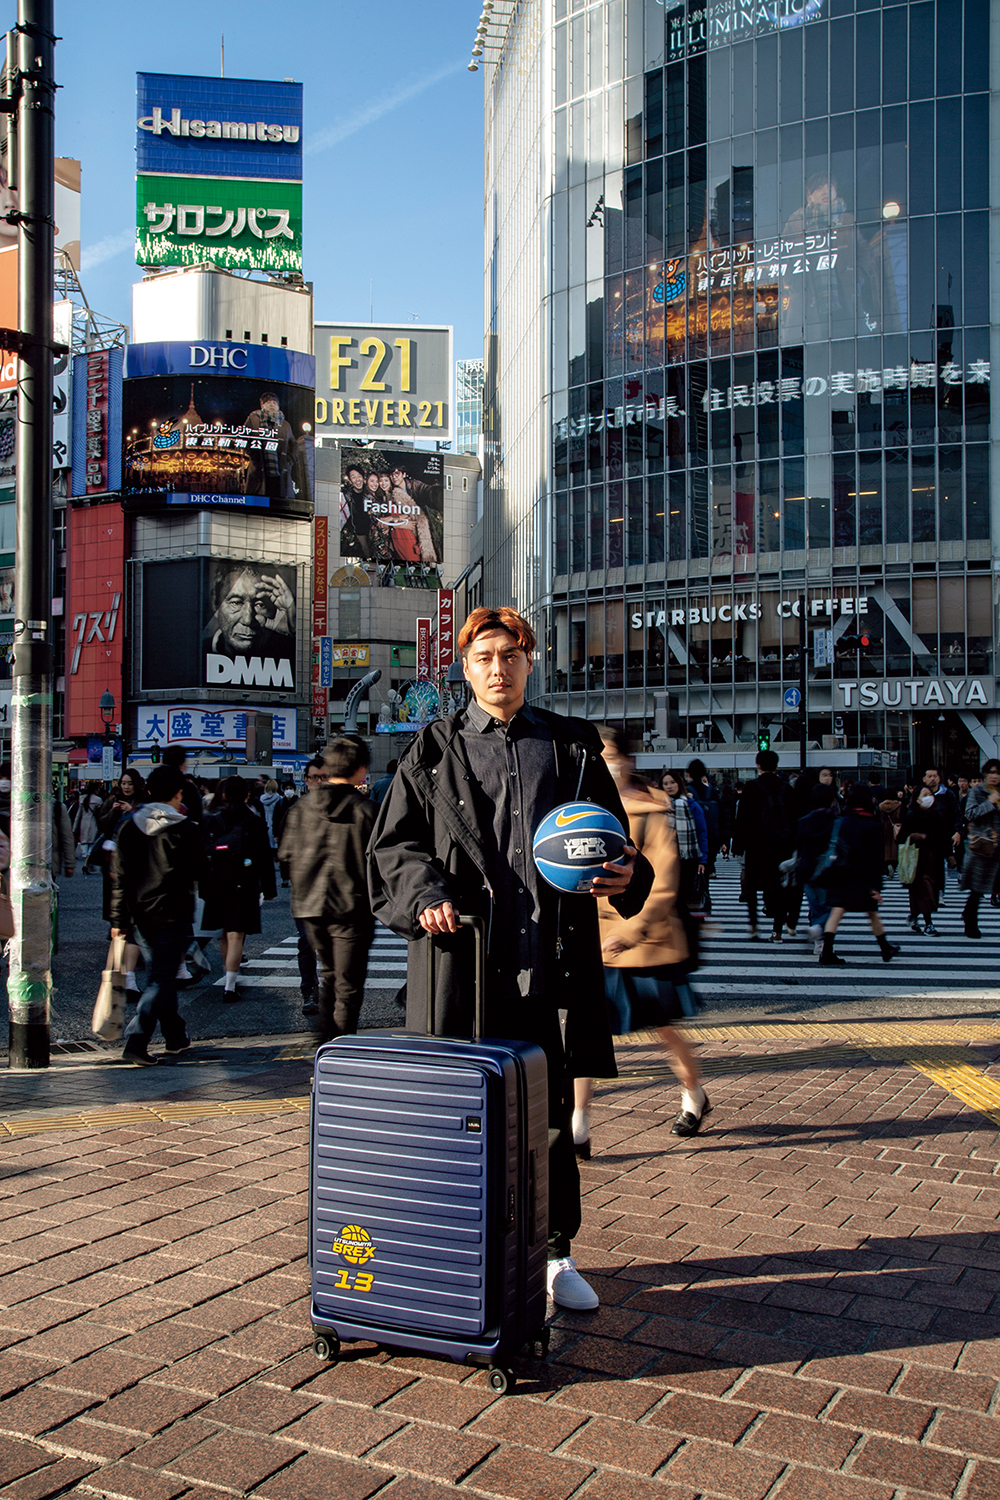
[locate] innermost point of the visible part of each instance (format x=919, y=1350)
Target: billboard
x=219, y=164
x=392, y=514
x=218, y=127
x=218, y=424
x=97, y=422
x=382, y=380
x=246, y=226
x=95, y=618
x=208, y=724
x=219, y=622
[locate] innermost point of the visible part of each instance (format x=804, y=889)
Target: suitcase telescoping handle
x=479, y=934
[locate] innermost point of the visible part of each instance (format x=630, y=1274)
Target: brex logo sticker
x=354, y=1244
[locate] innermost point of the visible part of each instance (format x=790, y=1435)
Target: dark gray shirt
x=513, y=770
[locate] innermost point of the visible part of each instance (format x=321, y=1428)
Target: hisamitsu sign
x=916, y=692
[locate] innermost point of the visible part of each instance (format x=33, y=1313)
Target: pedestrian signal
x=763, y=739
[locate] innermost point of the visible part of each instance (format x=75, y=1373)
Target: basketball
x=572, y=844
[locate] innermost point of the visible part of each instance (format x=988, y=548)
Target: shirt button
x=523, y=930
x=518, y=851
x=520, y=890
x=516, y=813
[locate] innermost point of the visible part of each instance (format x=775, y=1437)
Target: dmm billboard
x=219, y=623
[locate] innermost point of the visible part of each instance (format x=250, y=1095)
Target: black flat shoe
x=688, y=1124
x=582, y=1149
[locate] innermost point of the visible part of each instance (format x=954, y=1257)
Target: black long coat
x=427, y=848
x=235, y=905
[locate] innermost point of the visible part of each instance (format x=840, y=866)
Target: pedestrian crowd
x=447, y=831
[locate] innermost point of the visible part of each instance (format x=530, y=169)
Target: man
x=253, y=613
x=324, y=843
x=356, y=521
x=764, y=833
x=156, y=862
x=272, y=455
x=315, y=775
x=454, y=835
x=381, y=787
x=947, y=813
x=176, y=756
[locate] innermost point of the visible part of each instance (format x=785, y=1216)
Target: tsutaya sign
x=915, y=692
x=707, y=614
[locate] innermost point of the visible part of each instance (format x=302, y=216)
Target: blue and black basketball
x=573, y=843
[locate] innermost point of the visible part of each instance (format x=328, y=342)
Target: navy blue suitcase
x=428, y=1193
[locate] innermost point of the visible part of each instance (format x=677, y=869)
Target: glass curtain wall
x=767, y=337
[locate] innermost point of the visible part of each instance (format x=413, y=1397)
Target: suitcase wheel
x=326, y=1346
x=501, y=1381
x=540, y=1343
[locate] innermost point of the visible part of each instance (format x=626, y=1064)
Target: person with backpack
x=764, y=833
x=701, y=790
x=240, y=870
x=157, y=860
x=323, y=847
x=812, y=840
x=853, y=872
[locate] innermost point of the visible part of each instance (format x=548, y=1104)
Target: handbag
x=700, y=902
x=982, y=844
x=108, y=1020
x=906, y=866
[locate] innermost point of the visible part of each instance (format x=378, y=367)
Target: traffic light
x=154, y=753
x=855, y=642
x=763, y=739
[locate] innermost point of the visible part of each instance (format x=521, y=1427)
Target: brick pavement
x=803, y=1303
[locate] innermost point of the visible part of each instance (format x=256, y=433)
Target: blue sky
x=393, y=132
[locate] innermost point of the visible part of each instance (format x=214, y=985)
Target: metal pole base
x=29, y=1046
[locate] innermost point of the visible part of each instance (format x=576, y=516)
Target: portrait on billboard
x=392, y=514
x=248, y=638
x=230, y=439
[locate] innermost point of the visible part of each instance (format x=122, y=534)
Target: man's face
x=398, y=478
x=963, y=785
x=270, y=409
x=497, y=669
x=236, y=612
x=826, y=777
x=356, y=480
x=932, y=780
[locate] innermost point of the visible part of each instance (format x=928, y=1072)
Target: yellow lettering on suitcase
x=354, y=1244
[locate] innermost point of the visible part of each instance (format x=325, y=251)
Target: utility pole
x=803, y=679
x=29, y=984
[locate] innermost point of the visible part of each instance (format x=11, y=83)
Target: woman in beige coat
x=644, y=955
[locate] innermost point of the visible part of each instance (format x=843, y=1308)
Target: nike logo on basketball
x=562, y=820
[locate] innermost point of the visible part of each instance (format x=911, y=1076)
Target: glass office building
x=469, y=374
x=739, y=286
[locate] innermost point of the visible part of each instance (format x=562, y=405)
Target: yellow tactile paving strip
x=150, y=1114
x=928, y=1047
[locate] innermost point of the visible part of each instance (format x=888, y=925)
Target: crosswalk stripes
x=734, y=969
x=277, y=968
x=950, y=964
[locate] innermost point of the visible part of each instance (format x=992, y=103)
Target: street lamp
x=107, y=707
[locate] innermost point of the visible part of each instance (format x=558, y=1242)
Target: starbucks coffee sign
x=915, y=692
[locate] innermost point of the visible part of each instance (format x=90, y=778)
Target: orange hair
x=505, y=618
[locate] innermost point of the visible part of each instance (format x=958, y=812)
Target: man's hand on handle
x=439, y=919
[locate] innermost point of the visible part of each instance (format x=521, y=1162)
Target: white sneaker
x=567, y=1287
